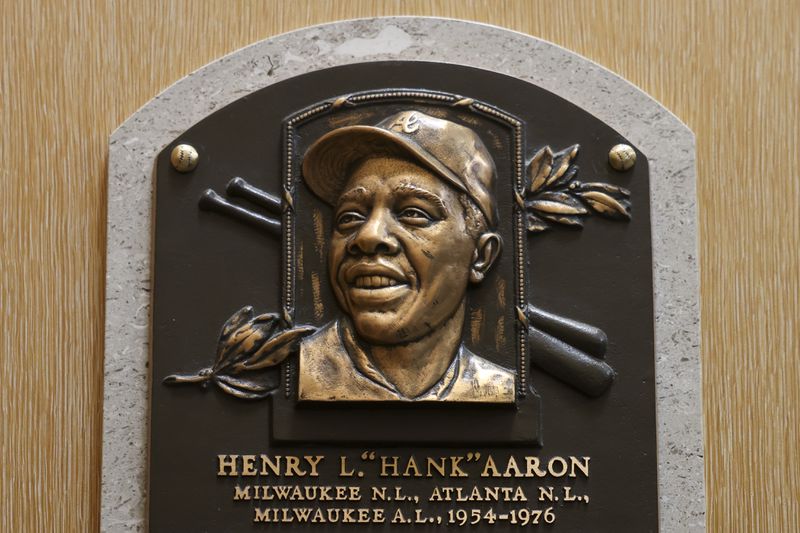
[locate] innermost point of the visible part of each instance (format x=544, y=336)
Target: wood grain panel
x=73, y=70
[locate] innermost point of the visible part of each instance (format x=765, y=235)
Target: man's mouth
x=377, y=275
x=375, y=282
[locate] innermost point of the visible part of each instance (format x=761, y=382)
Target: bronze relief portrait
x=413, y=228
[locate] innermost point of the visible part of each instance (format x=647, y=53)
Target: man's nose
x=375, y=236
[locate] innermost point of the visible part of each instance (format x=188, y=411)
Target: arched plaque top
x=547, y=65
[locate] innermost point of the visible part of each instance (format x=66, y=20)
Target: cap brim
x=327, y=162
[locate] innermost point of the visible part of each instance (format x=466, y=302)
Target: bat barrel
x=569, y=364
x=585, y=337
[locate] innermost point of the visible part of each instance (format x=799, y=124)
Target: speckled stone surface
x=668, y=144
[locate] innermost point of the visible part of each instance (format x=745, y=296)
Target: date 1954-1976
x=521, y=517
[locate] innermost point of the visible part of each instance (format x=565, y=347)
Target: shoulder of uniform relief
x=477, y=366
x=322, y=350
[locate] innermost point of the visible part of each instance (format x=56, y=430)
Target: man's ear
x=487, y=251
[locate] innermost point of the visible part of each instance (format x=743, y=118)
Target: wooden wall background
x=72, y=71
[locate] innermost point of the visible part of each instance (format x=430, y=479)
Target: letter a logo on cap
x=407, y=123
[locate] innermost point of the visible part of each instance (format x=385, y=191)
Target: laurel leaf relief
x=555, y=197
x=248, y=343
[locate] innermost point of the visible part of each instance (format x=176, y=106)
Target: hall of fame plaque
x=405, y=291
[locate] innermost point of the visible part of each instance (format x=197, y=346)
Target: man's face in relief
x=401, y=253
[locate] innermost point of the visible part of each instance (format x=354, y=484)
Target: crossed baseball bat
x=568, y=350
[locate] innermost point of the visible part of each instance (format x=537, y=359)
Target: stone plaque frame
x=625, y=108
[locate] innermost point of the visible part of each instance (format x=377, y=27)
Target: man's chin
x=380, y=328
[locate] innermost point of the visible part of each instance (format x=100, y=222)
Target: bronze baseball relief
x=414, y=230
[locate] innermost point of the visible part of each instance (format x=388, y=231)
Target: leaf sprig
x=553, y=195
x=247, y=344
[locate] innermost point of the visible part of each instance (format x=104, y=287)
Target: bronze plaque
x=386, y=295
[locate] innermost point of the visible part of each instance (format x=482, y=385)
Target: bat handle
x=239, y=187
x=569, y=364
x=211, y=201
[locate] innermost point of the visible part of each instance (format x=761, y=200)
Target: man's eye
x=414, y=212
x=415, y=215
x=349, y=219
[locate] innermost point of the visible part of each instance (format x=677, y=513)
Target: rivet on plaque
x=622, y=157
x=184, y=158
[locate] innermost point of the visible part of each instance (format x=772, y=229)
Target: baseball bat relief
x=566, y=361
x=211, y=201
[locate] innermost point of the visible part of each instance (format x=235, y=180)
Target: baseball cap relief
x=453, y=152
